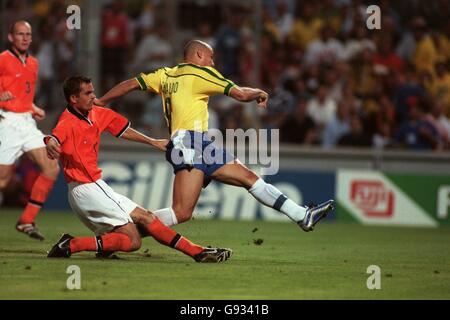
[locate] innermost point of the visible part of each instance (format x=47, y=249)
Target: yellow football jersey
x=185, y=90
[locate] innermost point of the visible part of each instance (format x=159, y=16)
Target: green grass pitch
x=289, y=264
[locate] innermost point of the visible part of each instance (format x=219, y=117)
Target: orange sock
x=108, y=242
x=39, y=193
x=169, y=237
x=116, y=242
x=83, y=244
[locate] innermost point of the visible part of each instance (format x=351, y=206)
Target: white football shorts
x=18, y=134
x=99, y=207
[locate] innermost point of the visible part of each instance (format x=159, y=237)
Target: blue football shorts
x=191, y=149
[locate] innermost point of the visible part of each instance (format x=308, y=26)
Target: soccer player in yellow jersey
x=185, y=90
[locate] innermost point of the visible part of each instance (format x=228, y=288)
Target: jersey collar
x=11, y=50
x=77, y=114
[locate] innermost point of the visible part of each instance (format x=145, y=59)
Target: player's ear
x=10, y=37
x=199, y=54
x=73, y=99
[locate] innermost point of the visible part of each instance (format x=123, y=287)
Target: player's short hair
x=12, y=26
x=72, y=86
x=192, y=46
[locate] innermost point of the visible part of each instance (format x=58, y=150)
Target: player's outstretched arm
x=117, y=91
x=245, y=94
x=133, y=135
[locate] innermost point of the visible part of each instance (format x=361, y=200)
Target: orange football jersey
x=79, y=138
x=18, y=78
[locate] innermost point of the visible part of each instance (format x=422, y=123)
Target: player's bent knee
x=136, y=243
x=183, y=214
x=142, y=217
x=4, y=183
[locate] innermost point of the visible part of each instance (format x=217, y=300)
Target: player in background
x=118, y=222
x=185, y=90
x=18, y=131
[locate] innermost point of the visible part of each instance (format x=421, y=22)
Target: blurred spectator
x=114, y=42
x=357, y=41
x=337, y=127
x=154, y=51
x=285, y=19
x=280, y=105
x=385, y=123
x=334, y=82
x=205, y=34
x=146, y=20
x=326, y=49
x=416, y=133
x=65, y=41
x=425, y=53
x=227, y=46
x=357, y=137
x=386, y=61
x=330, y=13
x=363, y=75
x=407, y=44
x=408, y=86
x=321, y=108
x=348, y=95
x=440, y=123
x=269, y=26
x=247, y=65
x=17, y=10
x=306, y=26
x=440, y=87
x=299, y=127
x=354, y=14
x=47, y=74
x=234, y=118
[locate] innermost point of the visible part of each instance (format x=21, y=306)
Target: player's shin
x=109, y=242
x=168, y=237
x=39, y=193
x=270, y=196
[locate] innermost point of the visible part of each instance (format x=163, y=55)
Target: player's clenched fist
x=262, y=99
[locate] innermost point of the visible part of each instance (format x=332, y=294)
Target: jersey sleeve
x=113, y=122
x=59, y=133
x=150, y=81
x=209, y=81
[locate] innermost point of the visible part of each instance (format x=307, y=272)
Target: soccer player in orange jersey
x=118, y=222
x=18, y=131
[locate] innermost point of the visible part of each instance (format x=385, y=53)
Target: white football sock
x=167, y=216
x=270, y=196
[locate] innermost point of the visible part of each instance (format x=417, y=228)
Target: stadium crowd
x=332, y=81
